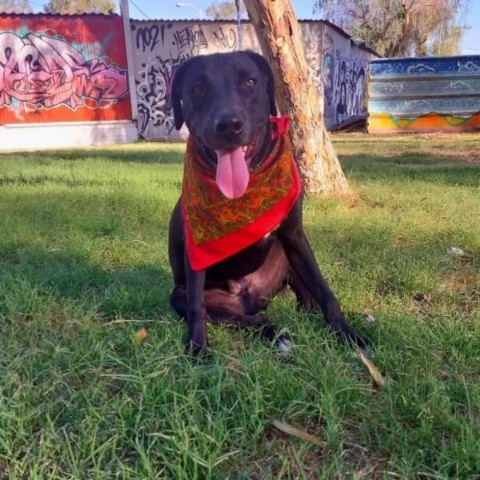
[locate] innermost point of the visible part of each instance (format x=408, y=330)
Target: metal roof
x=358, y=43
x=339, y=30
x=54, y=14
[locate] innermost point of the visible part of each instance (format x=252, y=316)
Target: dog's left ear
x=265, y=68
x=176, y=94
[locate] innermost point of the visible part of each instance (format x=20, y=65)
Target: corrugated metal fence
x=55, y=68
x=424, y=94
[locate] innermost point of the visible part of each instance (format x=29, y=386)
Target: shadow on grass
x=411, y=167
x=408, y=166
x=34, y=279
x=147, y=153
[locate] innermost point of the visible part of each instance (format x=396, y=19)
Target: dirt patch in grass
x=282, y=460
x=460, y=282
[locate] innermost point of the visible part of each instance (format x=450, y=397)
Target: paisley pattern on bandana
x=217, y=227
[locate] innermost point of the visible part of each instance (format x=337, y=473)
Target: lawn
x=84, y=268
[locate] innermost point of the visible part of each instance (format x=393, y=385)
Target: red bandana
x=217, y=227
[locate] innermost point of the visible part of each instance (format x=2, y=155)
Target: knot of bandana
x=217, y=227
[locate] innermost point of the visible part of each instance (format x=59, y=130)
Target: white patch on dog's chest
x=269, y=233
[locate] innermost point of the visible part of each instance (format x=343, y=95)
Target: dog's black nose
x=226, y=125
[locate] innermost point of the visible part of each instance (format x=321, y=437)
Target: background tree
x=398, y=28
x=17, y=6
x=279, y=35
x=447, y=44
x=80, y=6
x=225, y=10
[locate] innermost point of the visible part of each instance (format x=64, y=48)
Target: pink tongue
x=232, y=172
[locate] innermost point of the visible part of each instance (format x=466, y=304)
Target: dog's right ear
x=176, y=87
x=264, y=66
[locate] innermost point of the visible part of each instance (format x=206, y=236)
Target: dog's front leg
x=303, y=262
x=196, y=312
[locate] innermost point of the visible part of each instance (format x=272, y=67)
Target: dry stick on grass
x=374, y=372
x=295, y=432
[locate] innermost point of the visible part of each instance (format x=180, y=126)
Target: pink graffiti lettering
x=48, y=71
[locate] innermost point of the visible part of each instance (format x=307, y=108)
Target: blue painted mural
x=424, y=94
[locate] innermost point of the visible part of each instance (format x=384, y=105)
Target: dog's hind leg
x=305, y=300
x=233, y=310
x=221, y=307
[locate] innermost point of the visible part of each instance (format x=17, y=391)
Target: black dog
x=226, y=101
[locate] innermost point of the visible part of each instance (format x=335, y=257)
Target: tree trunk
x=279, y=35
x=405, y=31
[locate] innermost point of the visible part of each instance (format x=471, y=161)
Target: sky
x=167, y=9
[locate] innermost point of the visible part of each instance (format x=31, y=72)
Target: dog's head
x=225, y=99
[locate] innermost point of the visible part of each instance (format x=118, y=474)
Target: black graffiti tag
x=190, y=38
x=228, y=41
x=154, y=106
x=148, y=37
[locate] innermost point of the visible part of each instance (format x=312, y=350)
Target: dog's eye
x=250, y=82
x=197, y=90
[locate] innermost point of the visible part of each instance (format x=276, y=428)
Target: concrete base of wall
x=41, y=136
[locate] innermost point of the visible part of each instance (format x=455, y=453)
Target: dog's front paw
x=284, y=345
x=196, y=343
x=352, y=336
x=195, y=349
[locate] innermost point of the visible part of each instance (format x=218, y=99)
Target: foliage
x=17, y=6
x=225, y=10
x=84, y=267
x=397, y=28
x=80, y=6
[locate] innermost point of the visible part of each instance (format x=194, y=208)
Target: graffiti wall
x=344, y=69
x=159, y=47
x=424, y=94
x=62, y=69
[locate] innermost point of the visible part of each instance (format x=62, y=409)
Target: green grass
x=83, y=266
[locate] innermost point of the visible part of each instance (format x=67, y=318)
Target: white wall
x=39, y=136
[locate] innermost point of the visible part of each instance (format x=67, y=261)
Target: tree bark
x=279, y=35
